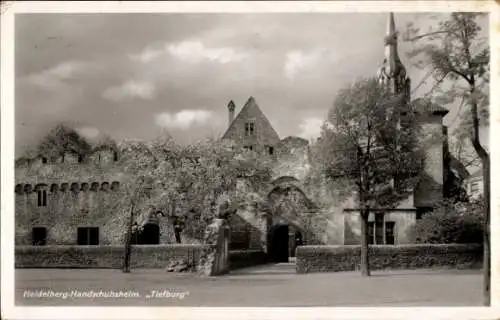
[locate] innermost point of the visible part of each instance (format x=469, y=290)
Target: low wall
x=246, y=258
x=143, y=256
x=347, y=258
x=111, y=257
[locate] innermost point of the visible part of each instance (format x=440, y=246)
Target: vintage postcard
x=323, y=159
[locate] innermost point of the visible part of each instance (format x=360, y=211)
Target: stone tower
x=430, y=117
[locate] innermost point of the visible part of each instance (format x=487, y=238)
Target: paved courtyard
x=265, y=286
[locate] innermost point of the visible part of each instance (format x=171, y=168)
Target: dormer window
x=249, y=128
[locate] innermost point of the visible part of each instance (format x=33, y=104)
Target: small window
x=249, y=129
x=271, y=150
x=379, y=228
x=115, y=156
x=80, y=158
x=42, y=198
x=389, y=232
x=88, y=236
x=44, y=160
x=474, y=187
x=248, y=148
x=39, y=236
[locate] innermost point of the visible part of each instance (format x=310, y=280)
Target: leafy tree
x=62, y=139
x=194, y=183
x=455, y=50
x=364, y=147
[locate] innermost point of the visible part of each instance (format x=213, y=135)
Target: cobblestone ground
x=264, y=286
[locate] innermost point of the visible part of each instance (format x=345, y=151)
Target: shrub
x=143, y=256
x=326, y=258
x=450, y=223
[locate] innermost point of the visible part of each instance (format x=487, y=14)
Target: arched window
x=54, y=188
x=64, y=187
x=105, y=186
x=94, y=186
x=85, y=187
x=115, y=185
x=19, y=189
x=28, y=188
x=74, y=187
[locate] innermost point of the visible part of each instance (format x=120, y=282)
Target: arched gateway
x=288, y=205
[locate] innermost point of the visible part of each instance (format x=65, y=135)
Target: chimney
x=231, y=108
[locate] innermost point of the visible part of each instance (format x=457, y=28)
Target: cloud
x=195, y=51
x=88, y=132
x=147, y=55
x=310, y=128
x=183, y=119
x=56, y=77
x=131, y=89
x=297, y=60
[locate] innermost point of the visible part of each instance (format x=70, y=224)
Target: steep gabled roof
x=249, y=108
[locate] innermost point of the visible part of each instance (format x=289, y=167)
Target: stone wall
x=86, y=194
x=429, y=191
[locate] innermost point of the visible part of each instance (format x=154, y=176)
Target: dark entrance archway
x=150, y=234
x=279, y=241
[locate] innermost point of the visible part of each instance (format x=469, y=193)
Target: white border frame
x=10, y=311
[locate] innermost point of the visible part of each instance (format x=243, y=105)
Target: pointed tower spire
x=391, y=46
x=392, y=72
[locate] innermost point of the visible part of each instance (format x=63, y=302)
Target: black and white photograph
x=247, y=158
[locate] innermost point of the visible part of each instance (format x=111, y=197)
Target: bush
x=111, y=257
x=450, y=223
x=347, y=258
x=143, y=256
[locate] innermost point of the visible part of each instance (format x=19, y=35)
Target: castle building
x=82, y=192
x=341, y=219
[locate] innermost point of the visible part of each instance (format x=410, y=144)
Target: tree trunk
x=128, y=243
x=365, y=263
x=486, y=234
x=485, y=160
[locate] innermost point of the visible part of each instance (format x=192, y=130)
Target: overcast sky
x=134, y=75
